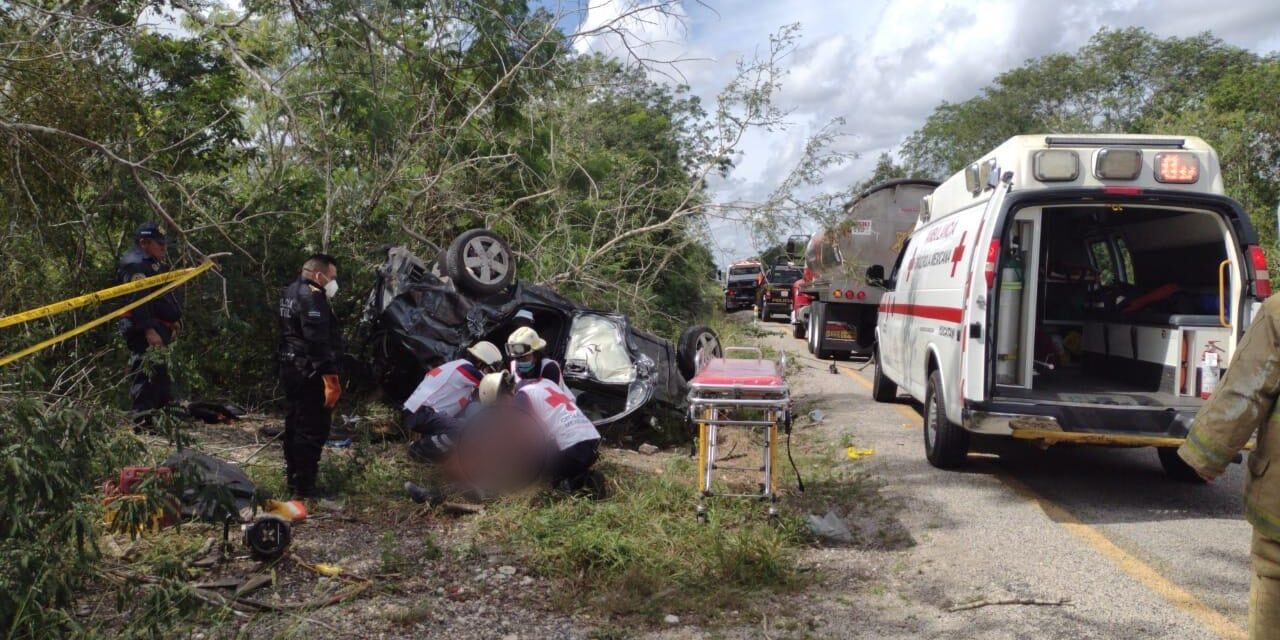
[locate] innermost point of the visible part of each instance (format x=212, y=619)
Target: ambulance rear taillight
x=1177, y=168
x=1261, y=277
x=993, y=257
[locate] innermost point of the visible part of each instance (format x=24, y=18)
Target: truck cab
x=774, y=293
x=741, y=283
x=1070, y=289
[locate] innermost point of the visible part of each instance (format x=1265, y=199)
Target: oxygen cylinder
x=1209, y=369
x=1009, y=321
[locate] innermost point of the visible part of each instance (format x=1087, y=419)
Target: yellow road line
x=902, y=408
x=1137, y=569
x=1125, y=561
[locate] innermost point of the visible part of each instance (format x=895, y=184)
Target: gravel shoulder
x=984, y=535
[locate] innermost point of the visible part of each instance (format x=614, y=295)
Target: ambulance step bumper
x=1101, y=425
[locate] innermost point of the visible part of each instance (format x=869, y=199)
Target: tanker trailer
x=843, y=306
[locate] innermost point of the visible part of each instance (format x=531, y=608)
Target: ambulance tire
x=882, y=388
x=946, y=444
x=1176, y=468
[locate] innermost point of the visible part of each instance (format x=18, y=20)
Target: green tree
x=1129, y=81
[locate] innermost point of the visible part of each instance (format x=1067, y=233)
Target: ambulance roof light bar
x=1068, y=141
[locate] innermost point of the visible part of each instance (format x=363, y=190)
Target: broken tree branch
x=1011, y=601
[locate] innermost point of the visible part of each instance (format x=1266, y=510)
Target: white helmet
x=486, y=353
x=524, y=341
x=492, y=385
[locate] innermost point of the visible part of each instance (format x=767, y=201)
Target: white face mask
x=331, y=289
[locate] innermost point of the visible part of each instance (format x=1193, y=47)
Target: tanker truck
x=841, y=315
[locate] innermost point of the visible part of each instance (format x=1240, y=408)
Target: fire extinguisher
x=1209, y=369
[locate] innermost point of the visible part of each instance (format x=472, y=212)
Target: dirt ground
x=413, y=572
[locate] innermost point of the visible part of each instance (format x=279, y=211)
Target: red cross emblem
x=957, y=254
x=555, y=400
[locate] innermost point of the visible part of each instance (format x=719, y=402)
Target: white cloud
x=884, y=65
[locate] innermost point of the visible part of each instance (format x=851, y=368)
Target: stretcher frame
x=718, y=394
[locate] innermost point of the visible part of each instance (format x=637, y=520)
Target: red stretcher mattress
x=723, y=372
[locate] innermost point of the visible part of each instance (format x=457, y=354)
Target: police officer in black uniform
x=153, y=324
x=310, y=346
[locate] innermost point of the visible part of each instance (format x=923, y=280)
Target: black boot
x=424, y=495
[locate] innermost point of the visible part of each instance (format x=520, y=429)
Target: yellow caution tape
x=327, y=570
x=98, y=296
x=174, y=282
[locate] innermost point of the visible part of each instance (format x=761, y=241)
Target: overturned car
x=631, y=383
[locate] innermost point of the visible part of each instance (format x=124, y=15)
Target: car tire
x=1177, y=468
x=946, y=444
x=492, y=267
x=696, y=339
x=882, y=388
x=798, y=331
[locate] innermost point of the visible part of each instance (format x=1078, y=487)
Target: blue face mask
x=524, y=367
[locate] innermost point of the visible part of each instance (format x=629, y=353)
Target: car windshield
x=597, y=342
x=784, y=276
x=744, y=271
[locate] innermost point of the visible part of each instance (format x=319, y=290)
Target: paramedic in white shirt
x=572, y=438
x=575, y=439
x=433, y=408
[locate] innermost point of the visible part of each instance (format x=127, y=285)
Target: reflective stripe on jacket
x=1244, y=404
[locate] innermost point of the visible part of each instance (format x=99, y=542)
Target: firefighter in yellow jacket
x=1244, y=404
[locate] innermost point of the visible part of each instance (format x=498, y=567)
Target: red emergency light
x=1177, y=168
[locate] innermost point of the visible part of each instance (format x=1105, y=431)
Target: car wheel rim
x=486, y=260
x=707, y=344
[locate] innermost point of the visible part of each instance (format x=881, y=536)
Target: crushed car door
x=599, y=365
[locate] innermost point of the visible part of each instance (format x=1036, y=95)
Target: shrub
x=54, y=453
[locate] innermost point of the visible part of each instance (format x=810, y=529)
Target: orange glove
x=332, y=390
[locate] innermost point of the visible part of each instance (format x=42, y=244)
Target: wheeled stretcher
x=745, y=393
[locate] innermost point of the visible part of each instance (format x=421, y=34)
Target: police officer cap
x=150, y=230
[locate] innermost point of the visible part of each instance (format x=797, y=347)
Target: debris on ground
x=647, y=449
x=829, y=527
x=855, y=453
x=671, y=619
x=817, y=416
x=977, y=604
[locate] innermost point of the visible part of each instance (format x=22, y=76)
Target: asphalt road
x=1135, y=554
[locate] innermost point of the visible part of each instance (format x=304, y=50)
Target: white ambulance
x=1070, y=288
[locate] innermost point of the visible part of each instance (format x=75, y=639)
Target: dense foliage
x=343, y=127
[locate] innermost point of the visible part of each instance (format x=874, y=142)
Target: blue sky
x=884, y=65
